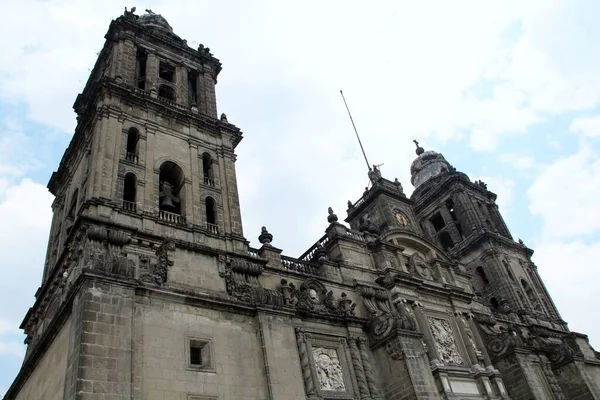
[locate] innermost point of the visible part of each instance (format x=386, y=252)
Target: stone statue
x=399, y=186
x=374, y=174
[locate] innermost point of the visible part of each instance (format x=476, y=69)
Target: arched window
x=133, y=139
x=494, y=303
x=129, y=192
x=521, y=297
x=530, y=294
x=171, y=182
x=508, y=271
x=166, y=92
x=207, y=169
x=451, y=210
x=446, y=241
x=481, y=273
x=210, y=208
x=73, y=204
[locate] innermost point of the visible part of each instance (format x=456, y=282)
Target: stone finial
x=398, y=185
x=265, y=237
x=521, y=242
x=350, y=205
x=223, y=117
x=481, y=184
x=331, y=218
x=419, y=149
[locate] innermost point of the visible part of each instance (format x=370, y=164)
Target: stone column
x=181, y=78
x=479, y=342
x=467, y=210
x=467, y=338
x=309, y=383
x=424, y=328
x=358, y=369
x=194, y=216
x=364, y=355
x=152, y=73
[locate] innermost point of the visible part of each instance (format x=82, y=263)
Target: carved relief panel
x=445, y=341
x=328, y=369
x=325, y=366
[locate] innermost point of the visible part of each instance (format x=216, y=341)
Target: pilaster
x=283, y=372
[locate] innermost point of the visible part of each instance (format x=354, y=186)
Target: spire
x=419, y=150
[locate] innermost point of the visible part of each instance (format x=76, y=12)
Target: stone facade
x=151, y=291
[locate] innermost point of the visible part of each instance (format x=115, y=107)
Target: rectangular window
x=437, y=221
x=200, y=355
x=166, y=72
x=193, y=87
x=142, y=58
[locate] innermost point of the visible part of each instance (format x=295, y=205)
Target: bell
x=166, y=204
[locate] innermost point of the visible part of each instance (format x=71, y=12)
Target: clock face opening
x=401, y=218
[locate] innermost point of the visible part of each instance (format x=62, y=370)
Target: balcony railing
x=131, y=157
x=212, y=228
x=209, y=181
x=171, y=217
x=292, y=264
x=129, y=206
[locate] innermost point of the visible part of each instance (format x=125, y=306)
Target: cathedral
x=151, y=290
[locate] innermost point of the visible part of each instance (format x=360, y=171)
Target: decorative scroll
x=445, y=342
x=329, y=370
x=309, y=385
x=358, y=368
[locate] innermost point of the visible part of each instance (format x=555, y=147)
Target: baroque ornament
x=383, y=317
x=445, y=343
x=420, y=266
x=159, y=271
x=314, y=297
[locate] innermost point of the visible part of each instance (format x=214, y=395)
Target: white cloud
x=565, y=196
x=587, y=126
x=25, y=214
x=569, y=272
x=11, y=348
x=521, y=162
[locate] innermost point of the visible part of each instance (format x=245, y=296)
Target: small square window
x=199, y=354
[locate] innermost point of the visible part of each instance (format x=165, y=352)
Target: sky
x=507, y=90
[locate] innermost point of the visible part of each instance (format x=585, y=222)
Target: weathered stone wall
x=162, y=328
x=281, y=365
x=48, y=379
x=524, y=376
x=579, y=381
x=104, y=363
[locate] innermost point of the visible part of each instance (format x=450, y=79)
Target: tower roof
x=427, y=165
x=156, y=21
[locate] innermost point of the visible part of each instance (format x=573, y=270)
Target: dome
x=427, y=165
x=157, y=21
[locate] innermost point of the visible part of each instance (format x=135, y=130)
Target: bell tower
x=150, y=170
x=463, y=218
x=149, y=151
